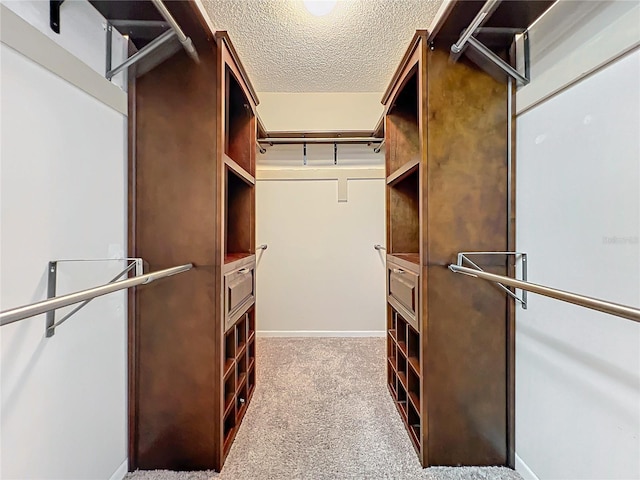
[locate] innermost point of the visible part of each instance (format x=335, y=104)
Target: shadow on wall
x=586, y=360
x=17, y=344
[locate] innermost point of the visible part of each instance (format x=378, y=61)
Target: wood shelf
x=242, y=349
x=241, y=380
x=442, y=118
x=238, y=170
x=392, y=363
x=212, y=222
x=403, y=172
x=228, y=367
x=403, y=379
x=228, y=403
x=414, y=362
x=407, y=257
x=415, y=401
x=234, y=257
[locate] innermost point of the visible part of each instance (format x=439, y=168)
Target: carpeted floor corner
x=321, y=411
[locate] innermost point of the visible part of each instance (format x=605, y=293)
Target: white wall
x=320, y=274
x=578, y=218
x=62, y=196
x=320, y=110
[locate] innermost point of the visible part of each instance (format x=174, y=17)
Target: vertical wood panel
x=467, y=197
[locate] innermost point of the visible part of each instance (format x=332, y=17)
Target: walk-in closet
x=320, y=239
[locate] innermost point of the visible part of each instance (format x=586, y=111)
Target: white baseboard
x=320, y=333
x=524, y=470
x=122, y=470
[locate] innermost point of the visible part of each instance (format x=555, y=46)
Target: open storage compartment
x=404, y=216
x=239, y=125
x=403, y=127
x=239, y=211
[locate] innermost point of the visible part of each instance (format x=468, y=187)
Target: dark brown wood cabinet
x=449, y=341
x=192, y=176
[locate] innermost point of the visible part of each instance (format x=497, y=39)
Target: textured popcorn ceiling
x=355, y=48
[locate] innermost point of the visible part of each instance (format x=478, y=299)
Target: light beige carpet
x=321, y=411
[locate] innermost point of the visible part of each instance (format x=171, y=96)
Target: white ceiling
x=355, y=48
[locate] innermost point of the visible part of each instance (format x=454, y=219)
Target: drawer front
x=239, y=289
x=403, y=292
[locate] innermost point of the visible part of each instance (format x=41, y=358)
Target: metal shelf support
x=464, y=256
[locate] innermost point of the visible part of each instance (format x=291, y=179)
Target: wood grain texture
x=403, y=216
x=176, y=125
x=178, y=332
x=187, y=207
x=456, y=202
x=467, y=196
x=177, y=381
x=240, y=134
x=239, y=216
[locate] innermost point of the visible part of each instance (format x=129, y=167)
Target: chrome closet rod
x=19, y=313
x=616, y=309
x=186, y=42
x=326, y=140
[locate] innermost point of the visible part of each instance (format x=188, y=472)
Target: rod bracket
x=52, y=274
x=464, y=256
x=54, y=14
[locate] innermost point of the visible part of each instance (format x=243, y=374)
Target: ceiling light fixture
x=320, y=7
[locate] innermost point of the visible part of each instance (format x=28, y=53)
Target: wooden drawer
x=239, y=290
x=403, y=292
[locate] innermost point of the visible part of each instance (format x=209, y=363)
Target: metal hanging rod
x=464, y=256
x=51, y=324
x=484, y=13
x=498, y=62
x=475, y=27
x=262, y=247
x=153, y=47
x=186, y=42
x=148, y=49
x=616, y=309
x=377, y=246
x=320, y=140
x=15, y=314
x=379, y=147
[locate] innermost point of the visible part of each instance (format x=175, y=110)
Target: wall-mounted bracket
x=467, y=38
x=51, y=324
x=54, y=14
x=464, y=256
x=335, y=153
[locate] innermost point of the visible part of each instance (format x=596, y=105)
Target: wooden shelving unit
x=239, y=379
x=447, y=347
x=193, y=141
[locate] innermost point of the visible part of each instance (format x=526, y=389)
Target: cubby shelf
x=403, y=372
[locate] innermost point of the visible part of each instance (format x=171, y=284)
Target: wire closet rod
x=326, y=140
x=616, y=309
x=19, y=313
